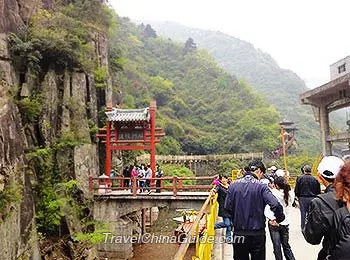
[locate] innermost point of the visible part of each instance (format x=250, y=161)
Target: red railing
x=174, y=184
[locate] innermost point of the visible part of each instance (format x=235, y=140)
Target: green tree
x=190, y=45
x=149, y=32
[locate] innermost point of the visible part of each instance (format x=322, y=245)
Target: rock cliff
x=68, y=106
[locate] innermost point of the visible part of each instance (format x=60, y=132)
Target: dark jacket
x=222, y=192
x=319, y=220
x=307, y=186
x=126, y=173
x=340, y=235
x=246, y=200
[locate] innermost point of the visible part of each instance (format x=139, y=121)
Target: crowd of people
x=258, y=197
x=142, y=175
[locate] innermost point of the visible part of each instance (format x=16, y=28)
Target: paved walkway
x=301, y=249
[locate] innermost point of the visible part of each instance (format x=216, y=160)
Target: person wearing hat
x=245, y=202
x=321, y=210
x=273, y=169
x=306, y=188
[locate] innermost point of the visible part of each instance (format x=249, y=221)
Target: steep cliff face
x=17, y=236
x=68, y=106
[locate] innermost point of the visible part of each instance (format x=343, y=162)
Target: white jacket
x=279, y=194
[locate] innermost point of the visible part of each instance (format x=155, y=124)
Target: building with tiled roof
x=128, y=115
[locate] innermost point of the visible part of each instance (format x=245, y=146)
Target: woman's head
x=223, y=179
x=282, y=184
x=342, y=182
x=279, y=182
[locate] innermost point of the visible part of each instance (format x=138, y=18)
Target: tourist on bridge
x=126, y=174
x=306, y=188
x=340, y=231
x=140, y=175
x=245, y=202
x=134, y=175
x=148, y=176
x=318, y=222
x=159, y=174
x=221, y=190
x=279, y=233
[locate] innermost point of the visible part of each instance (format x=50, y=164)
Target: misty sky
x=305, y=36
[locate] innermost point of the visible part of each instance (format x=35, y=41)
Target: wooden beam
x=338, y=104
x=324, y=89
x=342, y=137
x=131, y=141
x=131, y=148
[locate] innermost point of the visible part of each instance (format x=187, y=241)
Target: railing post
x=134, y=186
x=180, y=184
x=174, y=186
x=90, y=184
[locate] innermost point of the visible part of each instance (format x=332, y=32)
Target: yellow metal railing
x=205, y=240
x=205, y=243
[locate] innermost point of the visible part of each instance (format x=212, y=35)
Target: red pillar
x=153, y=109
x=108, y=149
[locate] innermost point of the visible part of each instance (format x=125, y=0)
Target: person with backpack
x=245, y=202
x=279, y=233
x=320, y=214
x=340, y=231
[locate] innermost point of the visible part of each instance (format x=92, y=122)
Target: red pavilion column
x=153, y=109
x=108, y=149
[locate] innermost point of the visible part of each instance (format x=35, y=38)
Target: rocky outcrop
x=69, y=105
x=86, y=164
x=48, y=120
x=14, y=13
x=17, y=235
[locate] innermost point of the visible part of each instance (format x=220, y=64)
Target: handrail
x=203, y=250
x=174, y=184
x=209, y=157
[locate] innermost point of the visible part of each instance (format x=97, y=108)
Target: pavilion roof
x=128, y=115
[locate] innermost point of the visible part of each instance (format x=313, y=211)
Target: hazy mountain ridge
x=281, y=87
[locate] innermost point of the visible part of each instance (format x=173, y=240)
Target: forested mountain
x=279, y=86
x=202, y=108
x=61, y=63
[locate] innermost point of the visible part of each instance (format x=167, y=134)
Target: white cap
x=280, y=173
x=265, y=181
x=272, y=168
x=330, y=166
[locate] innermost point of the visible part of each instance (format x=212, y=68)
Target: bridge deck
x=127, y=194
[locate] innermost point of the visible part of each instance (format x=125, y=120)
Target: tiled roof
x=128, y=115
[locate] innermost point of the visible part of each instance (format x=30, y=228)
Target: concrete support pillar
x=324, y=127
x=117, y=244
